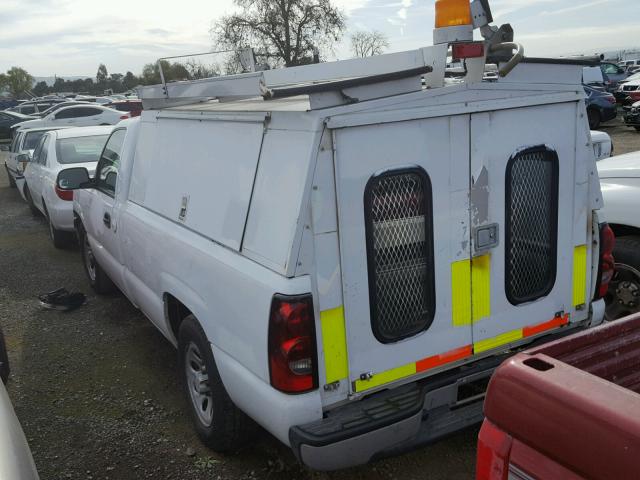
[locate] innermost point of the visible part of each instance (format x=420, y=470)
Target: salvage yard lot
x=97, y=390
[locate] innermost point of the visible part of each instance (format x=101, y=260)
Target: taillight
x=64, y=194
x=293, y=363
x=611, y=99
x=607, y=262
x=494, y=448
x=124, y=117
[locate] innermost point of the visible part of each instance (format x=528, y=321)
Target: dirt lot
x=97, y=390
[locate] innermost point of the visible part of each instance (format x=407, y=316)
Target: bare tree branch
x=367, y=44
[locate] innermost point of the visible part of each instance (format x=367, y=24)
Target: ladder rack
x=304, y=79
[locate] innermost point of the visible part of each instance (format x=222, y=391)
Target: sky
x=72, y=37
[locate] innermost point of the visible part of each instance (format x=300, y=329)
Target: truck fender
x=175, y=287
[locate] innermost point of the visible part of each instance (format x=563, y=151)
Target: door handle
x=107, y=220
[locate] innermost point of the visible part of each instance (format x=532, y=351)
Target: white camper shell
x=430, y=230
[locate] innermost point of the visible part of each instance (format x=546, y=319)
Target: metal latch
x=183, y=208
x=486, y=237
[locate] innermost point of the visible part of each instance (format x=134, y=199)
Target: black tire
x=230, y=428
x=60, y=238
x=12, y=182
x=637, y=129
x=98, y=278
x=4, y=359
x=623, y=297
x=594, y=118
x=34, y=210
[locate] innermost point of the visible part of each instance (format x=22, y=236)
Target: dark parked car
x=601, y=107
x=7, y=120
x=614, y=74
x=134, y=107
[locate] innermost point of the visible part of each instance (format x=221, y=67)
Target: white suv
x=76, y=116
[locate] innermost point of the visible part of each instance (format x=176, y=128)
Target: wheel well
x=624, y=230
x=175, y=311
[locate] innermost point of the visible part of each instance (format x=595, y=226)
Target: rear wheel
x=27, y=194
x=594, y=118
x=12, y=182
x=60, y=238
x=98, y=279
x=623, y=297
x=637, y=129
x=219, y=423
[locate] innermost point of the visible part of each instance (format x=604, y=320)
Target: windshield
x=80, y=149
x=32, y=139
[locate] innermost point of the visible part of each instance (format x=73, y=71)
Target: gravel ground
x=97, y=390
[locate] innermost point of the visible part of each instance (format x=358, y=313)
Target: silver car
x=16, y=462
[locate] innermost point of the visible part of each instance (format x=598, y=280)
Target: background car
x=58, y=106
x=631, y=89
x=36, y=106
x=614, y=74
x=57, y=151
x=632, y=116
x=7, y=120
x=601, y=106
x=77, y=116
x=21, y=150
x=134, y=107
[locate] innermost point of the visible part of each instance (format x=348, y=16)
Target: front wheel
x=98, y=279
x=594, y=118
x=623, y=297
x=219, y=423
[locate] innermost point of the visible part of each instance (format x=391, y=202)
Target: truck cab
x=357, y=244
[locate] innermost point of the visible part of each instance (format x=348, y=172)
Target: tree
x=199, y=70
x=172, y=72
x=18, y=81
x=285, y=31
x=368, y=44
x=130, y=81
x=40, y=89
x=101, y=76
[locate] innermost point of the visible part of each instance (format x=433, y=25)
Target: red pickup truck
x=566, y=410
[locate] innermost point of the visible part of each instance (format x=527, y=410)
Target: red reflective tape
x=543, y=327
x=444, y=358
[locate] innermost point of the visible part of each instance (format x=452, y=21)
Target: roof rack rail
x=331, y=75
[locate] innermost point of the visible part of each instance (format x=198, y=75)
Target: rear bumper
x=398, y=420
x=609, y=113
x=395, y=421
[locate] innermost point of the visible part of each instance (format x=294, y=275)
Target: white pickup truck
x=343, y=254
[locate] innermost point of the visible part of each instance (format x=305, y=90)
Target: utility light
x=453, y=13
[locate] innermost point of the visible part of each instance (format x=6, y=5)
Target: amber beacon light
x=453, y=13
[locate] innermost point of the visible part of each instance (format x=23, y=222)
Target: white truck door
x=403, y=208
x=103, y=217
x=529, y=211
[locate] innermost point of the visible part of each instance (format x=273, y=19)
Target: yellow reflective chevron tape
x=481, y=287
x=580, y=275
x=334, y=342
x=461, y=293
x=495, y=342
x=386, y=377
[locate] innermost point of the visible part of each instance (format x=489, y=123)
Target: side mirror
x=74, y=179
x=4, y=148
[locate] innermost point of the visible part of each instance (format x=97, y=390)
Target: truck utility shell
x=386, y=242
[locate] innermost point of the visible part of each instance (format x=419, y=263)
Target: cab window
x=109, y=164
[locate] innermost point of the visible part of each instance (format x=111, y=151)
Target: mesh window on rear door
x=531, y=224
x=398, y=214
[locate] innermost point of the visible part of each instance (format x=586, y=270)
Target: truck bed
x=574, y=403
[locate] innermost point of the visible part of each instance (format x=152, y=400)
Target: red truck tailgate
x=575, y=401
